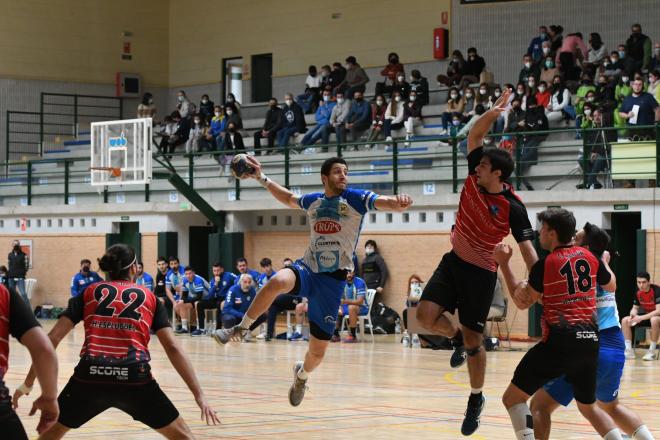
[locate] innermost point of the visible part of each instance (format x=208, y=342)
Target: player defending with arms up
x=335, y=217
x=114, y=366
x=465, y=278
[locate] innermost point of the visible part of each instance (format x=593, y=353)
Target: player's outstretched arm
x=481, y=128
x=399, y=202
x=521, y=293
x=185, y=369
x=283, y=195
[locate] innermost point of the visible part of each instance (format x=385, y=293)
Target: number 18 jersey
x=118, y=316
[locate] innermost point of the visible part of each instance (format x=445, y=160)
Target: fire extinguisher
x=440, y=43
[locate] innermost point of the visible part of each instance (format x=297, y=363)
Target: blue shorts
x=363, y=310
x=608, y=376
x=324, y=293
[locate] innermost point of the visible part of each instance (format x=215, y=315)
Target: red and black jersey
x=117, y=317
x=16, y=318
x=485, y=219
x=647, y=300
x=567, y=278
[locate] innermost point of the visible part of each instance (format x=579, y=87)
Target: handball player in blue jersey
x=335, y=217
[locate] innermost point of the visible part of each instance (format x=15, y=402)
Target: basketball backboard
x=121, y=152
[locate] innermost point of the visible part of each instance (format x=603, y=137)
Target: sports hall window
x=303, y=220
x=273, y=220
x=18, y=223
x=406, y=217
x=93, y=222
x=260, y=220
x=422, y=217
x=49, y=222
x=2, y=223
x=71, y=223
x=388, y=217
x=439, y=217
x=372, y=217
x=287, y=220
x=82, y=222
x=38, y=223
x=59, y=222
x=29, y=223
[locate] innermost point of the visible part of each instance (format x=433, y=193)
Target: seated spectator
x=233, y=117
x=194, y=288
x=542, y=95
x=293, y=122
x=322, y=128
x=500, y=122
x=548, y=71
x=393, y=115
x=212, y=299
x=412, y=116
x=355, y=80
x=338, y=117
x=654, y=84
x=455, y=104
x=272, y=125
x=359, y=117
x=183, y=104
x=402, y=86
x=558, y=109
x=353, y=304
x=420, y=86
x=310, y=98
x=180, y=136
x=167, y=129
x=535, y=49
x=640, y=109
x=233, y=142
x=597, y=145
x=572, y=51
x=142, y=278
x=615, y=67
x=655, y=61
x=586, y=85
x=638, y=49
x=84, y=278
x=337, y=76
x=605, y=92
x=146, y=108
x=325, y=78
x=213, y=138
x=174, y=287
x=378, y=109
x=287, y=262
x=556, y=37
x=483, y=96
x=197, y=133
x=535, y=120
x=238, y=300
x=389, y=73
x=456, y=126
x=546, y=49
x=516, y=117
x=470, y=103
x=473, y=68
x=645, y=312
x=412, y=299
x=596, y=55
x=373, y=269
x=206, y=108
x=522, y=93
x=159, y=286
x=628, y=65
x=242, y=268
x=528, y=69
x=531, y=86
x=268, y=272
x=454, y=70
x=233, y=103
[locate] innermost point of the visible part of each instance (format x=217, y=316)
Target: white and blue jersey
x=145, y=280
x=219, y=290
x=263, y=279
x=197, y=289
x=80, y=281
x=335, y=227
x=174, y=279
x=608, y=315
x=354, y=291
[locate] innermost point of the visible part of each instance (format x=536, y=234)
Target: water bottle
x=397, y=326
x=289, y=331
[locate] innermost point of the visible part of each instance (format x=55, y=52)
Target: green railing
x=401, y=161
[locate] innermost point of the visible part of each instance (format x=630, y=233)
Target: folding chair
x=369, y=298
x=501, y=319
x=30, y=285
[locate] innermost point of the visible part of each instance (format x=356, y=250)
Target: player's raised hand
x=502, y=102
x=208, y=414
x=49, y=412
x=502, y=253
x=404, y=201
x=254, y=163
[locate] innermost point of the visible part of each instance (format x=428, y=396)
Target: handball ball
x=240, y=167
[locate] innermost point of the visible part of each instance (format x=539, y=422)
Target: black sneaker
x=458, y=357
x=472, y=419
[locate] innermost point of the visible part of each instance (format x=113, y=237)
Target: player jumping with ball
x=335, y=216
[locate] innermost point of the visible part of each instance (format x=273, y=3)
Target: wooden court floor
x=366, y=390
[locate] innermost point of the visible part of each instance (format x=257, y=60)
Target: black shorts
x=456, y=284
x=576, y=358
x=10, y=425
x=147, y=403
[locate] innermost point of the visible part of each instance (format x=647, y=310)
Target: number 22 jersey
x=118, y=316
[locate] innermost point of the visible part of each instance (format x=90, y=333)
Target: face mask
x=497, y=93
x=528, y=65
x=590, y=99
x=397, y=98
x=368, y=250
x=401, y=78
x=326, y=98
x=217, y=114
x=468, y=95
x=348, y=66
x=625, y=79
x=455, y=59
x=288, y=102
x=204, y=101
x=411, y=79
x=614, y=60
x=340, y=100
x=531, y=84
x=606, y=64
x=179, y=98
x=324, y=74
x=549, y=64
x=454, y=96
x=151, y=101
x=230, y=99
x=197, y=121
x=521, y=91
x=412, y=98
x=544, y=35
x=379, y=102
x=546, y=50
x=232, y=129
x=229, y=112
x=587, y=111
x=456, y=122
x=541, y=89
x=622, y=54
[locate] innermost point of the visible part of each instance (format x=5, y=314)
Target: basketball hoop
x=114, y=172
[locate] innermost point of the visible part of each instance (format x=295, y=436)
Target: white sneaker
x=630, y=353
x=650, y=355
x=415, y=341
x=405, y=341
x=442, y=132
x=248, y=337
x=261, y=336
x=388, y=139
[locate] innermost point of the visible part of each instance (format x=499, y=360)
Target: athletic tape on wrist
x=264, y=180
x=24, y=388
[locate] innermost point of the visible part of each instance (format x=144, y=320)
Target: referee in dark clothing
x=159, y=287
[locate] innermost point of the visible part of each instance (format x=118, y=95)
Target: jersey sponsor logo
x=323, y=242
x=327, y=227
x=120, y=373
x=343, y=209
x=586, y=335
x=330, y=319
x=328, y=259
